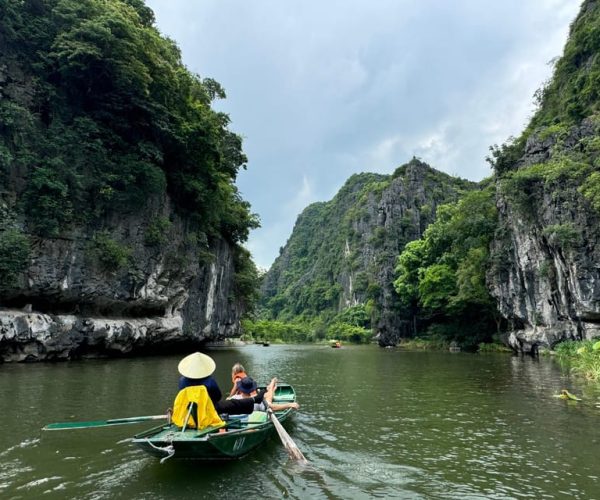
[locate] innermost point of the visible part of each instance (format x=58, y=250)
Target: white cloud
x=303, y=197
x=321, y=90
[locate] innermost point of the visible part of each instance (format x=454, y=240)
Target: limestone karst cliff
x=546, y=273
x=342, y=253
x=541, y=266
x=120, y=223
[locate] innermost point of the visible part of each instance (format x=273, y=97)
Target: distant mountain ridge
x=532, y=257
x=342, y=253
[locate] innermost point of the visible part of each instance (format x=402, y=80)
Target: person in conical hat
x=197, y=369
x=196, y=365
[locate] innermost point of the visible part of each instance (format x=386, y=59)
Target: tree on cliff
x=106, y=115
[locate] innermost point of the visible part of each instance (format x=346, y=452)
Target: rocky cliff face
x=67, y=303
x=385, y=223
x=546, y=274
x=343, y=253
x=120, y=222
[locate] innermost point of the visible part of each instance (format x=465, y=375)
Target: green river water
x=373, y=423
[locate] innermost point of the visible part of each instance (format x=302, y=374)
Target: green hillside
x=335, y=273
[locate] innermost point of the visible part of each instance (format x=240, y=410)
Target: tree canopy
x=441, y=277
x=100, y=113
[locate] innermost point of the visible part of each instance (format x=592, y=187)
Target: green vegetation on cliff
x=14, y=254
x=99, y=116
x=441, y=277
x=567, y=122
x=334, y=276
x=546, y=246
x=302, y=284
x=106, y=115
x=573, y=93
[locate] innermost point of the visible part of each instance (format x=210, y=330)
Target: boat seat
x=283, y=398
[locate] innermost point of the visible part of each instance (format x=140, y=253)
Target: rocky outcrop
x=33, y=336
x=545, y=274
x=68, y=303
x=120, y=222
x=545, y=258
x=401, y=215
x=347, y=248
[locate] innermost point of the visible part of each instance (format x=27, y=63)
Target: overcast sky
x=322, y=89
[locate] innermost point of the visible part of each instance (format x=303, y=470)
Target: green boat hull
x=236, y=440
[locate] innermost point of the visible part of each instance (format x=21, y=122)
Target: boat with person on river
x=234, y=439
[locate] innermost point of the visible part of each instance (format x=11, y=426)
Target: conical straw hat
x=196, y=365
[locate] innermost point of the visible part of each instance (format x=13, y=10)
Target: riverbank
x=581, y=358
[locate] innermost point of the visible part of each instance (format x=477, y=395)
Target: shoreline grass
x=581, y=357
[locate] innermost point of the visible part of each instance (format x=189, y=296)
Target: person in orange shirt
x=238, y=372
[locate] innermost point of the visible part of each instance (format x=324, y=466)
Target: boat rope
x=169, y=450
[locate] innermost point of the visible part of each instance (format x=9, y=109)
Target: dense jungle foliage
x=98, y=114
x=442, y=276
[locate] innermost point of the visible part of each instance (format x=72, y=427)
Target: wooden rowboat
x=237, y=438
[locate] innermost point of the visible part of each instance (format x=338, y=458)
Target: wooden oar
x=63, y=426
x=293, y=451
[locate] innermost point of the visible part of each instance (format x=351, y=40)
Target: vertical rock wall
x=352, y=242
x=68, y=304
x=546, y=272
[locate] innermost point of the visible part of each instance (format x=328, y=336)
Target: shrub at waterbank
x=301, y=332
x=582, y=357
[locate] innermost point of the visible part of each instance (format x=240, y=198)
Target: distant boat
x=265, y=344
x=454, y=347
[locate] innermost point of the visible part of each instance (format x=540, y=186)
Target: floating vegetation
x=564, y=394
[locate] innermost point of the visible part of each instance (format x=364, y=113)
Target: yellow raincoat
x=206, y=415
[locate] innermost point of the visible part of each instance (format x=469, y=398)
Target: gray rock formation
x=546, y=256
x=351, y=244
x=123, y=265
x=68, y=304
x=33, y=336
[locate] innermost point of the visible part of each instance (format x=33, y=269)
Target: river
x=373, y=423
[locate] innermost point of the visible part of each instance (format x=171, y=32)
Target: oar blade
x=293, y=450
x=60, y=426
x=94, y=424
